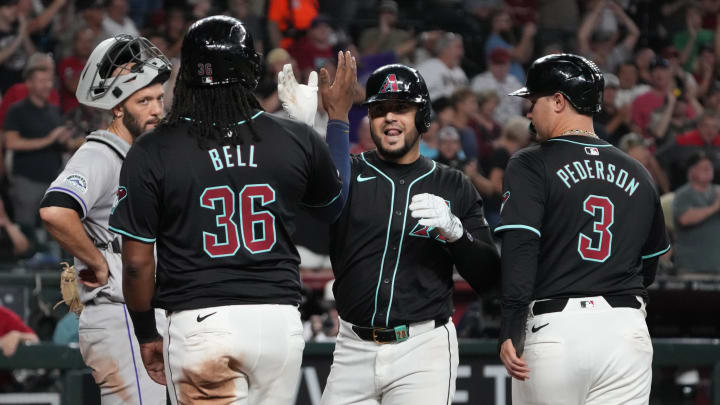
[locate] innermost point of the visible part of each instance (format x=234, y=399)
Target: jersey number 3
x=223, y=197
x=597, y=252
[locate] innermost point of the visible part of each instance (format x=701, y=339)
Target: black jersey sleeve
x=656, y=245
x=471, y=212
x=520, y=251
x=325, y=185
x=475, y=256
x=136, y=210
x=523, y=199
x=657, y=242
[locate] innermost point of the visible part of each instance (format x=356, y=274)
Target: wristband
x=144, y=325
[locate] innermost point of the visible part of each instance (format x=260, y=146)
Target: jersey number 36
x=223, y=197
x=597, y=252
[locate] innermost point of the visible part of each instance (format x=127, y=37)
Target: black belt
x=558, y=304
x=113, y=246
x=389, y=335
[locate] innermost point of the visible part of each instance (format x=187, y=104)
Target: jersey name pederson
x=577, y=171
x=223, y=158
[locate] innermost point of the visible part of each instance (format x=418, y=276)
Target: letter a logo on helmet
x=390, y=85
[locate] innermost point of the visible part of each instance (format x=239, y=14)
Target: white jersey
x=91, y=178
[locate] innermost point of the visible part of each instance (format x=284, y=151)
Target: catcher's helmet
x=399, y=82
x=218, y=50
x=117, y=68
x=576, y=78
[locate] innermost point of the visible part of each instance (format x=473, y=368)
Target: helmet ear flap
x=422, y=117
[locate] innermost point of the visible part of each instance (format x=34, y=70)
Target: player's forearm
x=338, y=142
x=138, y=274
x=520, y=251
x=65, y=227
x=477, y=262
x=139, y=287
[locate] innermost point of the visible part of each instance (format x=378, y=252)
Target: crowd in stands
x=661, y=105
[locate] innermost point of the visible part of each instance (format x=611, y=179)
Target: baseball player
x=124, y=75
x=407, y=222
x=582, y=230
x=216, y=187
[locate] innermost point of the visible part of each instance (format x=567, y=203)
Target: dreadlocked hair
x=216, y=114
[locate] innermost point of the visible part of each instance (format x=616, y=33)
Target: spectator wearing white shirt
x=629, y=89
x=116, y=19
x=443, y=74
x=499, y=79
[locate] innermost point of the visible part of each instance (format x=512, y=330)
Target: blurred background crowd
x=661, y=105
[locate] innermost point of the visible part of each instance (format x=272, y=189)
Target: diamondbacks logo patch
x=121, y=194
x=77, y=182
x=390, y=85
x=505, y=197
x=421, y=231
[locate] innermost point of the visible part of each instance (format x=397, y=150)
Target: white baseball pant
x=419, y=370
x=235, y=354
x=590, y=353
x=109, y=347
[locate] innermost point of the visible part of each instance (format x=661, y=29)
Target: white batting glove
x=298, y=100
x=434, y=212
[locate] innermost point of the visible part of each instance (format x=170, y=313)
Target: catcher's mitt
x=69, y=289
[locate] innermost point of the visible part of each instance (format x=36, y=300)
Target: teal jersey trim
x=387, y=237
x=324, y=205
x=579, y=143
x=525, y=227
x=257, y=114
x=662, y=252
x=129, y=235
x=402, y=235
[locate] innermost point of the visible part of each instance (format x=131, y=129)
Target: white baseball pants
x=419, y=370
x=235, y=354
x=590, y=353
x=109, y=347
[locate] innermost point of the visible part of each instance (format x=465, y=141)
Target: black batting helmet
x=218, y=50
x=576, y=78
x=399, y=82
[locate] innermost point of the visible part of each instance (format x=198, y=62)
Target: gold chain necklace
x=579, y=132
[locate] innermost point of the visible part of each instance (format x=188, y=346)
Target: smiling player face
x=392, y=125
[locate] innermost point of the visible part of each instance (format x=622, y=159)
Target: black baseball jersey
x=596, y=211
x=223, y=217
x=388, y=269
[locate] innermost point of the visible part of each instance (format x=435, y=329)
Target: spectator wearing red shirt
x=645, y=104
x=314, y=49
x=70, y=68
x=705, y=138
x=13, y=331
x=19, y=91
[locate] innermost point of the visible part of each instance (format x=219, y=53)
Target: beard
x=409, y=143
x=132, y=124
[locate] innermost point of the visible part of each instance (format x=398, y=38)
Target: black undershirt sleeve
x=477, y=261
x=60, y=199
x=520, y=249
